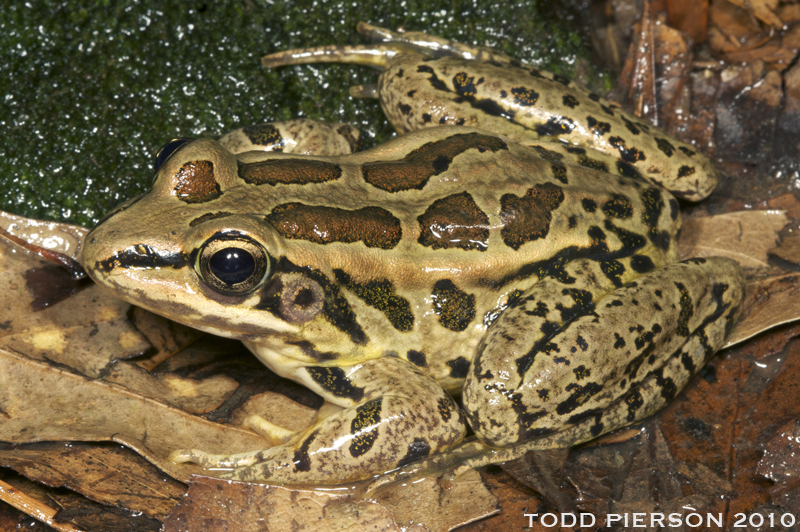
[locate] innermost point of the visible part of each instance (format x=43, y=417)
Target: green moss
x=90, y=92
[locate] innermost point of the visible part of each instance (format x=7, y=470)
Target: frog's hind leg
x=594, y=360
x=393, y=415
x=387, y=45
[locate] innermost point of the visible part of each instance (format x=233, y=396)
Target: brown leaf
x=774, y=53
x=721, y=418
x=762, y=9
x=769, y=302
x=744, y=236
x=733, y=28
x=426, y=502
x=789, y=13
x=63, y=238
x=88, y=515
x=790, y=39
x=781, y=460
x=699, y=128
x=105, y=413
x=278, y=409
x=31, y=498
x=542, y=471
x=747, y=109
x=785, y=202
x=690, y=17
x=636, y=86
x=673, y=60
x=419, y=506
x=107, y=474
x=788, y=250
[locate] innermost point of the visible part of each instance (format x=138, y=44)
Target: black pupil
x=232, y=265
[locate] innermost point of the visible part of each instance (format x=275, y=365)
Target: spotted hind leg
x=594, y=359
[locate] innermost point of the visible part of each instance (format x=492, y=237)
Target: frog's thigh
x=583, y=369
x=397, y=415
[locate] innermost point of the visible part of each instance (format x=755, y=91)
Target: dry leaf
x=542, y=471
x=762, y=9
x=723, y=418
x=79, y=409
x=747, y=108
x=636, y=87
x=108, y=474
x=744, y=236
x=64, y=238
x=420, y=506
x=425, y=502
x=789, y=13
x=788, y=250
x=781, y=464
x=690, y=17
x=768, y=302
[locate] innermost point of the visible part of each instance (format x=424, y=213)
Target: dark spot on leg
x=459, y=368
x=334, y=381
x=525, y=97
x=367, y=415
x=665, y=146
x=570, y=101
x=642, y=264
x=417, y=358
x=417, y=450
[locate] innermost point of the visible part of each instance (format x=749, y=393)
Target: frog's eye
x=167, y=150
x=232, y=265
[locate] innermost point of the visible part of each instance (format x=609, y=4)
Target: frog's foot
x=474, y=454
x=215, y=461
x=273, y=433
x=445, y=466
x=388, y=45
x=432, y=46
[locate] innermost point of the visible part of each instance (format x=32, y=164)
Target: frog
x=532, y=272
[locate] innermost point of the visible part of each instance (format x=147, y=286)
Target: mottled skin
x=449, y=259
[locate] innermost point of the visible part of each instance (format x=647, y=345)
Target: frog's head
x=197, y=249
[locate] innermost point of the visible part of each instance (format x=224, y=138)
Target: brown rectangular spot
x=289, y=172
x=374, y=226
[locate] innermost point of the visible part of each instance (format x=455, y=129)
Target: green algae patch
x=90, y=92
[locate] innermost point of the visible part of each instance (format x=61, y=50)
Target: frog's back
x=474, y=206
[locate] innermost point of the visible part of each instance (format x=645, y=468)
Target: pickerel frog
x=521, y=254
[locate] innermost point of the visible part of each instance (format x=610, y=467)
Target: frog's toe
x=209, y=460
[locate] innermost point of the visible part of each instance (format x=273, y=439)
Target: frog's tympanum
x=521, y=254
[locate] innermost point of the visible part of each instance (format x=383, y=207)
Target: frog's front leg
x=570, y=359
x=394, y=415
